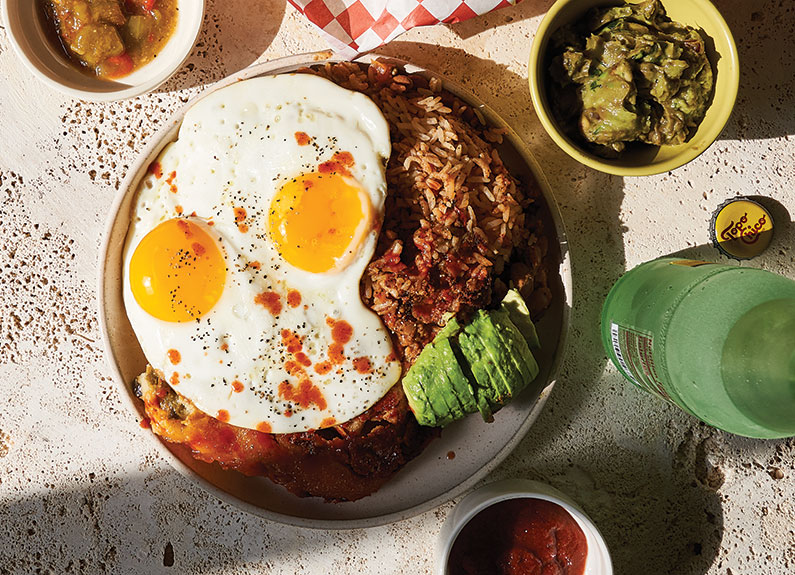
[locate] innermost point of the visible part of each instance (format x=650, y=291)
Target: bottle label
x=633, y=351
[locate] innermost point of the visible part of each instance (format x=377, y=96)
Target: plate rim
x=157, y=142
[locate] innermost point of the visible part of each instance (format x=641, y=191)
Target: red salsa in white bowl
x=520, y=527
x=520, y=537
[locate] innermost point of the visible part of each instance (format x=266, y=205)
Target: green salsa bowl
x=643, y=160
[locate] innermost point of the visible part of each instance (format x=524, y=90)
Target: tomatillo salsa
x=109, y=38
x=520, y=536
x=629, y=74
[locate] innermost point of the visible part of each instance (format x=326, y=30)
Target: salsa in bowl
x=108, y=50
x=109, y=38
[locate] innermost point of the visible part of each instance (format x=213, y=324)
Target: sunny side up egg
x=247, y=244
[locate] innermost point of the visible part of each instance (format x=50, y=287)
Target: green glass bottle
x=716, y=340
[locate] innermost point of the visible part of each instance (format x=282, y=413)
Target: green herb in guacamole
x=629, y=74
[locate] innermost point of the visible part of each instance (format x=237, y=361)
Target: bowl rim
x=505, y=490
x=537, y=53
x=127, y=92
x=155, y=144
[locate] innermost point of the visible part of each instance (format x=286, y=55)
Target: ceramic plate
x=432, y=478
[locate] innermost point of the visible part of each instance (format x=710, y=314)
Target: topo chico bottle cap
x=741, y=228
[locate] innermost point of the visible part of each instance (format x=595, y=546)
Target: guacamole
x=629, y=74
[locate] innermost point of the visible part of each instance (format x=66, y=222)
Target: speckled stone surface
x=79, y=491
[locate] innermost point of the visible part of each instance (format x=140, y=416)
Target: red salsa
x=109, y=38
x=520, y=537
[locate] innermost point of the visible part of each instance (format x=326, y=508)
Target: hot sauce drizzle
x=323, y=367
x=183, y=225
x=174, y=357
x=339, y=164
x=341, y=330
x=293, y=298
x=336, y=353
x=156, y=169
x=362, y=365
x=270, y=301
x=170, y=181
x=240, y=219
x=305, y=395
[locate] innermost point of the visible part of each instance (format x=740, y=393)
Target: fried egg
x=247, y=244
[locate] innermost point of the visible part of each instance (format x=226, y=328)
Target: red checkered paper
x=356, y=26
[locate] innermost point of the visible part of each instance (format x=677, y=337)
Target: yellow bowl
x=645, y=160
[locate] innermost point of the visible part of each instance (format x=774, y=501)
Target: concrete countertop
x=79, y=491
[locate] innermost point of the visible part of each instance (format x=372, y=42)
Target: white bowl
x=27, y=36
x=597, y=561
x=431, y=479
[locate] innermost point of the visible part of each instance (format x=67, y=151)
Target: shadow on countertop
x=139, y=524
x=523, y=11
x=658, y=518
x=234, y=34
x=767, y=69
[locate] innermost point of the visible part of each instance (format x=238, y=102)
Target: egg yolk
x=177, y=271
x=318, y=220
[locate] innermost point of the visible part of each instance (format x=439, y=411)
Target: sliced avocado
x=482, y=340
x=516, y=307
x=456, y=378
x=481, y=399
x=489, y=385
x=418, y=402
x=484, y=330
x=514, y=348
x=491, y=380
x=441, y=390
x=457, y=381
x=451, y=328
x=479, y=367
x=438, y=388
x=433, y=385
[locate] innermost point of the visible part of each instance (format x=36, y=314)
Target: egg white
x=236, y=148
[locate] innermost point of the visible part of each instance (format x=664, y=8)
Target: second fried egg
x=249, y=238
